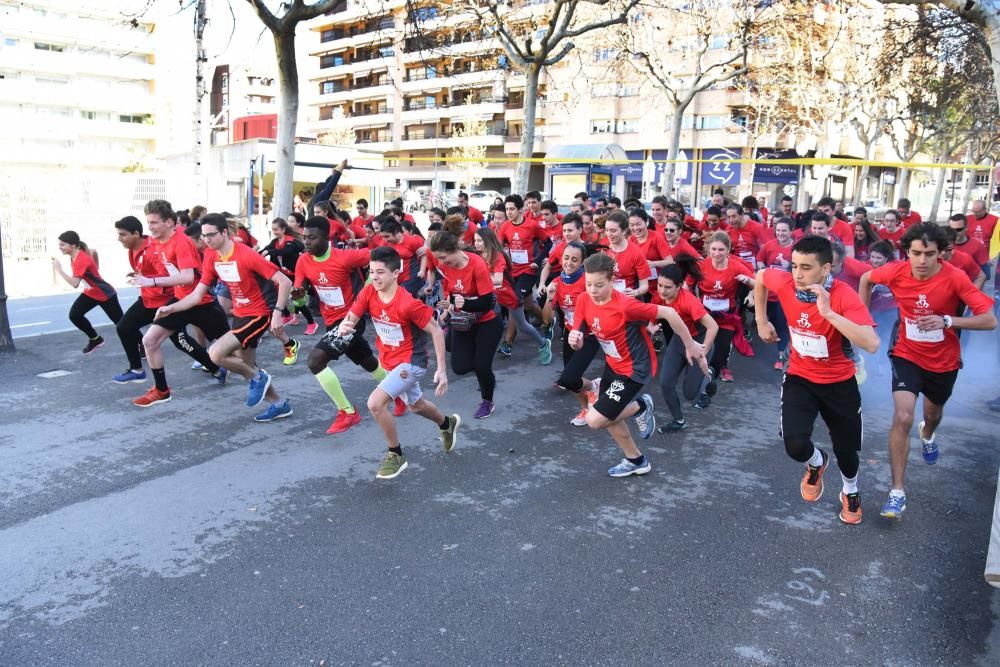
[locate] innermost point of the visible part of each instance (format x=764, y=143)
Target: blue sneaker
x=545, y=353
x=626, y=468
x=894, y=506
x=505, y=348
x=275, y=411
x=222, y=376
x=258, y=387
x=130, y=376
x=645, y=419
x=929, y=447
x=549, y=332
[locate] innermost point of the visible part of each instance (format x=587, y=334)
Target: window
x=718, y=42
x=331, y=60
x=327, y=87
x=630, y=126
x=133, y=118
x=45, y=46
x=9, y=75
x=711, y=122
x=602, y=126
x=604, y=55
x=687, y=123
x=9, y=41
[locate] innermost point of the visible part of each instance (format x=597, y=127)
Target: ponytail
x=72, y=238
x=684, y=265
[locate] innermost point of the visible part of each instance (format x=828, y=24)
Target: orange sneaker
x=580, y=419
x=850, y=508
x=152, y=397
x=812, y=481
x=400, y=409
x=344, y=421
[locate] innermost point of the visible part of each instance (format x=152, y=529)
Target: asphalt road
x=186, y=534
x=36, y=316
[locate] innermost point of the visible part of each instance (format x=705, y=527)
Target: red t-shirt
x=819, y=351
x=475, y=216
x=85, y=268
x=851, y=274
x=909, y=219
x=842, y=232
x=892, y=237
x=244, y=235
x=336, y=279
x=555, y=257
x=338, y=231
x=596, y=237
x=966, y=264
x=506, y=296
x=630, y=267
x=718, y=286
x=747, y=240
x=359, y=222
x=177, y=254
x=654, y=248
x=620, y=327
x=936, y=351
x=520, y=243
x=248, y=277
x=554, y=233
x=145, y=263
x=567, y=297
x=688, y=307
x=682, y=248
x=978, y=251
x=775, y=256
x=704, y=232
x=407, y=249
x=981, y=231
x=472, y=281
x=399, y=326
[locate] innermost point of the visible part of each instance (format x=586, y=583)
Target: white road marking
x=29, y=324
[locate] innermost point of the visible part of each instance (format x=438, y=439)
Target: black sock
x=160, y=378
x=642, y=406
x=290, y=343
x=398, y=449
x=446, y=424
x=636, y=461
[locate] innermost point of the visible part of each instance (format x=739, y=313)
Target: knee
x=461, y=368
x=375, y=405
x=317, y=362
x=215, y=354
x=596, y=420
x=151, y=339
x=903, y=418
x=574, y=384
x=799, y=446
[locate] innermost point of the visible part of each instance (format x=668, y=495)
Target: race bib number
x=716, y=305
x=519, y=256
x=171, y=269
x=331, y=296
x=610, y=349
x=747, y=257
x=228, y=272
x=914, y=333
x=620, y=285
x=653, y=275
x=809, y=344
x=389, y=333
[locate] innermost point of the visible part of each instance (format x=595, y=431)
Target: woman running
x=284, y=251
x=777, y=254
x=653, y=246
x=488, y=246
x=864, y=237
x=676, y=243
x=469, y=300
x=721, y=276
x=670, y=291
x=630, y=267
x=96, y=292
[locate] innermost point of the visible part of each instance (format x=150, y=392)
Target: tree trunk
x=288, y=79
x=862, y=186
x=523, y=170
x=902, y=184
x=938, y=189
x=673, y=150
x=968, y=181
x=992, y=184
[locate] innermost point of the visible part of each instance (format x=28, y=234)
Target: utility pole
x=200, y=152
x=6, y=338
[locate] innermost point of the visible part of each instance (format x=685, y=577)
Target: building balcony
x=458, y=79
x=354, y=121
x=26, y=58
x=440, y=49
x=351, y=94
x=423, y=140
x=337, y=39
x=358, y=68
x=355, y=11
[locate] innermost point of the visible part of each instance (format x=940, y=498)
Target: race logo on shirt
x=322, y=278
x=616, y=272
x=596, y=326
x=922, y=301
x=384, y=316
x=613, y=392
x=568, y=300
x=804, y=321
x=459, y=286
x=517, y=237
x=717, y=286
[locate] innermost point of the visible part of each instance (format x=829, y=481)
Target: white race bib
x=389, y=333
x=610, y=350
x=747, y=257
x=620, y=285
x=171, y=269
x=716, y=305
x=914, y=333
x=519, y=256
x=653, y=275
x=331, y=296
x=228, y=273
x=809, y=344
x=568, y=314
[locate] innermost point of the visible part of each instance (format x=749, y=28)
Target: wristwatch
x=947, y=321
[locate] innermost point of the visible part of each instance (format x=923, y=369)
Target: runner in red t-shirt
x=402, y=324
x=260, y=292
x=847, y=269
x=981, y=224
x=777, y=254
x=652, y=244
x=825, y=319
x=891, y=229
x=572, y=230
x=959, y=223
x=474, y=215
x=925, y=354
x=711, y=222
x=591, y=233
x=619, y=324
x=721, y=277
x=631, y=270
x=746, y=236
x=676, y=243
x=525, y=243
x=963, y=262
x=907, y=217
x=96, y=291
x=411, y=250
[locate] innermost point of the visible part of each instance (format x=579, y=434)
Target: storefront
x=774, y=181
x=575, y=171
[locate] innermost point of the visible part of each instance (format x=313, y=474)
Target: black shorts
x=908, y=376
x=249, y=330
x=617, y=391
x=357, y=351
x=838, y=403
x=525, y=283
x=209, y=317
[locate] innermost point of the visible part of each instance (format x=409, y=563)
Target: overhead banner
x=720, y=173
x=776, y=173
x=633, y=172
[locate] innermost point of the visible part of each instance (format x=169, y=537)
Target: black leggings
x=675, y=364
x=839, y=404
x=130, y=333
x=720, y=353
x=473, y=350
x=571, y=378
x=84, y=304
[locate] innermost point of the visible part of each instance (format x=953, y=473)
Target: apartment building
x=243, y=102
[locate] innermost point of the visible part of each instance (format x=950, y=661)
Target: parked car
x=876, y=209
x=483, y=199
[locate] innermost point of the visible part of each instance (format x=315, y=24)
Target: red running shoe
x=400, y=408
x=344, y=421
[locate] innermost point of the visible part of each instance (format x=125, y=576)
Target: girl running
x=631, y=272
x=777, y=254
x=284, y=251
x=96, y=292
x=653, y=246
x=864, y=237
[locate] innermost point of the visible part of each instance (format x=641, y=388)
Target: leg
x=904, y=405
x=517, y=315
x=623, y=437
x=720, y=353
x=933, y=413
x=129, y=331
x=486, y=337
x=427, y=410
x=378, y=404
x=673, y=365
x=112, y=309
x=225, y=352
x=78, y=315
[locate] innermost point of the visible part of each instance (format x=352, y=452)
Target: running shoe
x=726, y=375
x=850, y=508
x=286, y=320
x=152, y=397
x=196, y=366
x=673, y=426
x=221, y=376
x=391, y=466
x=485, y=409
x=811, y=486
x=449, y=436
x=779, y=365
x=547, y=332
x=929, y=449
x=713, y=383
x=580, y=419
x=291, y=352
x=93, y=344
x=645, y=419
x=295, y=319
x=591, y=397
x=399, y=408
x=310, y=329
x=258, y=387
x=626, y=468
x=703, y=401
x=894, y=505
x=344, y=421
x=129, y=375
x=275, y=411
x=545, y=353
x=505, y=348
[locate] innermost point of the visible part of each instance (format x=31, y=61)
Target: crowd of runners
x=655, y=293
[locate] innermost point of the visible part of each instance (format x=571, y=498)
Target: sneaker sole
x=574, y=422
x=393, y=475
x=894, y=515
x=137, y=381
x=822, y=486
x=454, y=432
x=850, y=521
x=637, y=471
x=151, y=403
x=267, y=385
x=95, y=348
x=275, y=418
x=492, y=410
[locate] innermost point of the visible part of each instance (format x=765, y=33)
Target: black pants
x=130, y=326
x=675, y=364
x=84, y=304
x=474, y=350
x=720, y=353
x=839, y=404
x=579, y=361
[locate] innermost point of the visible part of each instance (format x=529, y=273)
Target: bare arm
x=190, y=301
x=57, y=267
x=865, y=289
x=441, y=372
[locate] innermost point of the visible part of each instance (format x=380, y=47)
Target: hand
x=930, y=322
x=551, y=290
x=163, y=311
x=428, y=289
x=298, y=292
x=277, y=328
x=748, y=300
x=575, y=339
x=442, y=305
x=695, y=353
x=55, y=264
x=822, y=300
x=766, y=331
x=743, y=279
x=533, y=266
x=345, y=328
x=634, y=293
x=652, y=328
x=459, y=301
x=441, y=380
x=342, y=166
x=138, y=280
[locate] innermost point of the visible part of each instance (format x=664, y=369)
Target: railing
x=372, y=112
x=417, y=105
x=361, y=84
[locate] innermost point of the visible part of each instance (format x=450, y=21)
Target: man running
x=925, y=354
x=825, y=318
